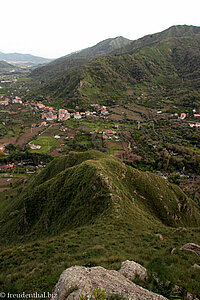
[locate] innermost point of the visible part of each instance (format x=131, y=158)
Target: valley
x=100, y=163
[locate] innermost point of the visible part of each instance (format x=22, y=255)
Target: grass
x=29, y=267
x=24, y=79
x=5, y=111
x=86, y=144
x=111, y=149
x=94, y=125
x=46, y=143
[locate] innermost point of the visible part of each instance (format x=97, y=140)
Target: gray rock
x=77, y=280
x=180, y=230
x=130, y=269
x=159, y=236
x=192, y=247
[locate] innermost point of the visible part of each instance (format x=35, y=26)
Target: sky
x=54, y=28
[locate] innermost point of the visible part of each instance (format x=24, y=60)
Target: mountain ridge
x=173, y=31
x=122, y=47
x=79, y=58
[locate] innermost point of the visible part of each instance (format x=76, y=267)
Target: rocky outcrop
x=77, y=280
x=130, y=269
x=192, y=247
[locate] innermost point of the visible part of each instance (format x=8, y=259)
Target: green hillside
x=82, y=187
x=149, y=74
x=91, y=209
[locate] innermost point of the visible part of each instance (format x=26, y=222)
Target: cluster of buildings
x=6, y=167
x=103, y=110
x=183, y=116
x=16, y=100
x=109, y=134
x=50, y=114
x=192, y=125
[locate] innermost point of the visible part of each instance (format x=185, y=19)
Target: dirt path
x=25, y=137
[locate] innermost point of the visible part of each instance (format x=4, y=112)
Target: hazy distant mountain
x=80, y=58
x=6, y=68
x=23, y=58
x=4, y=65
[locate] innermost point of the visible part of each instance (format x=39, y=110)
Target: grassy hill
x=91, y=209
x=82, y=187
x=150, y=71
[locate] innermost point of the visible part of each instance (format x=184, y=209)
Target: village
x=55, y=130
x=50, y=114
x=33, y=131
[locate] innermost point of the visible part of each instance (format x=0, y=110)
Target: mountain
x=91, y=209
x=79, y=58
x=23, y=58
x=161, y=66
x=177, y=31
x=101, y=48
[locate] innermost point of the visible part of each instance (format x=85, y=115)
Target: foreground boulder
x=77, y=281
x=130, y=269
